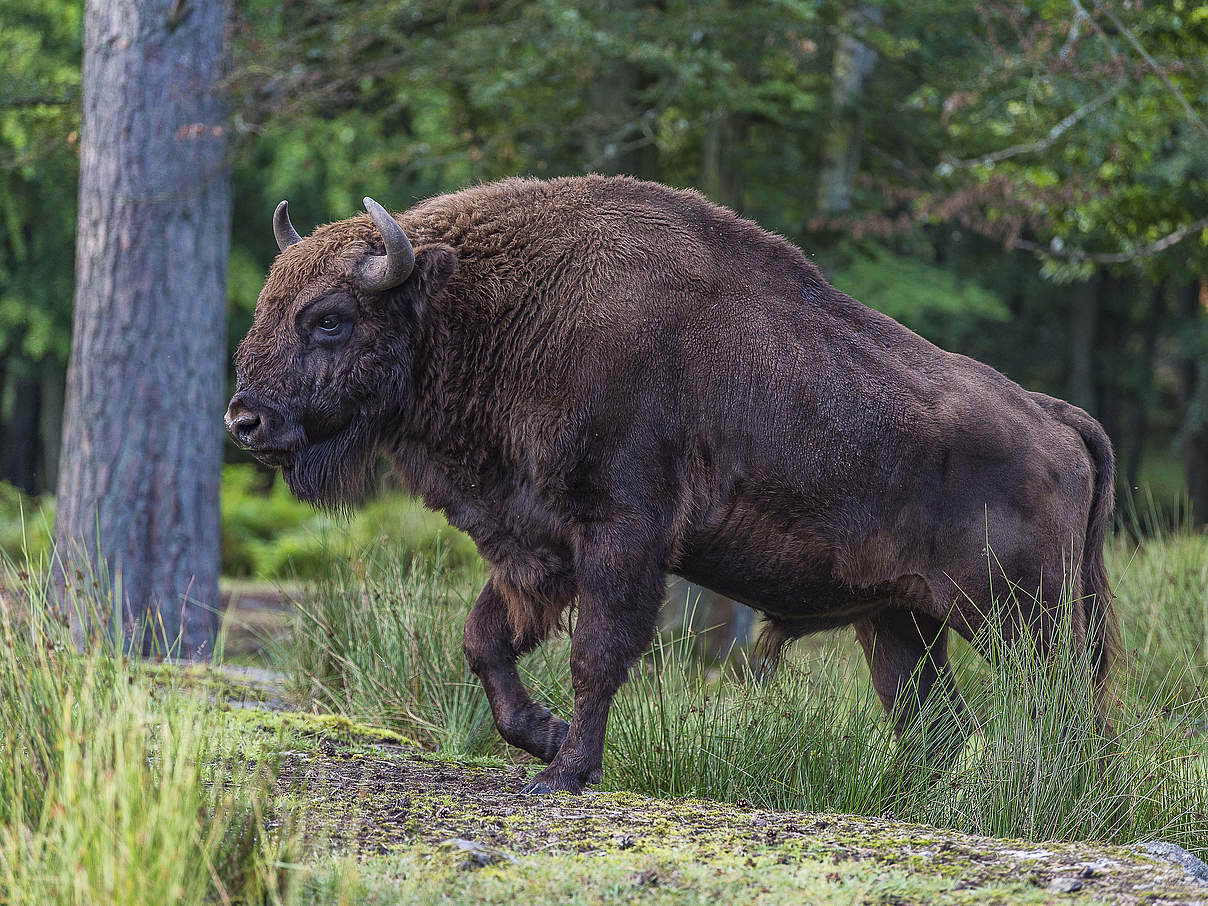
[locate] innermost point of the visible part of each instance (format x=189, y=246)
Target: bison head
x=327, y=366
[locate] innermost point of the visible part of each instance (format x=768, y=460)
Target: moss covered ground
x=378, y=820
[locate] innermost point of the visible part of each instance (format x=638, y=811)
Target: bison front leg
x=491, y=652
x=619, y=600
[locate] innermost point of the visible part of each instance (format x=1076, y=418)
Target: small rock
x=1065, y=885
x=625, y=841
x=1176, y=854
x=646, y=878
x=477, y=855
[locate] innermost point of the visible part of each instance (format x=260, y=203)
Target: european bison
x=603, y=381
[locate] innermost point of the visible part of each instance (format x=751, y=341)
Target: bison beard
x=617, y=380
x=335, y=472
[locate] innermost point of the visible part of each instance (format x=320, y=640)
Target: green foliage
x=271, y=535
x=934, y=302
x=26, y=526
x=39, y=123
x=267, y=533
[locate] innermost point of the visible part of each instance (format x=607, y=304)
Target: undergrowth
x=116, y=789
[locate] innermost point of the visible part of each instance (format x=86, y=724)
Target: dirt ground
x=370, y=798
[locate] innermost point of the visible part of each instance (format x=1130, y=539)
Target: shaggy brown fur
x=603, y=381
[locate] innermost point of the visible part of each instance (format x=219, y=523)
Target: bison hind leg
x=907, y=654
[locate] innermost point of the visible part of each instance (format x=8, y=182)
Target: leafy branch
x=1144, y=251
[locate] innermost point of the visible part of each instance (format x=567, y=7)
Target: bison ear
x=434, y=268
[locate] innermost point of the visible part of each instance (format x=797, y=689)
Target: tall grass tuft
x=113, y=788
x=1039, y=765
x=811, y=737
x=380, y=640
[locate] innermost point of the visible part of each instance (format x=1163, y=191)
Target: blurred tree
x=138, y=484
x=39, y=122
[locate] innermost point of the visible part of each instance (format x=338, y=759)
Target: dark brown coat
x=603, y=381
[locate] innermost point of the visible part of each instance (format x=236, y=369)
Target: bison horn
x=382, y=272
x=283, y=229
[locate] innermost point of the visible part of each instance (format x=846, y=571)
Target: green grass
x=382, y=642
x=115, y=788
x=268, y=534
x=120, y=783
x=380, y=639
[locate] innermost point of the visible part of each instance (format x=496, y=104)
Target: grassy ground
x=123, y=782
x=360, y=815
x=380, y=641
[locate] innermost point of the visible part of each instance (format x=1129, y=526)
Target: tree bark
x=139, y=473
x=21, y=443
x=852, y=64
x=1084, y=319
x=1194, y=399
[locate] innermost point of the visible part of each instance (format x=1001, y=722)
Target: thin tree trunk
x=1194, y=399
x=1084, y=320
x=611, y=141
x=852, y=64
x=138, y=479
x=1143, y=398
x=21, y=441
x=720, y=179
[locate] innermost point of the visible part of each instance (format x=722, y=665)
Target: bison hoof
x=549, y=781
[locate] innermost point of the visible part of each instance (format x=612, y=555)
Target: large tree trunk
x=138, y=478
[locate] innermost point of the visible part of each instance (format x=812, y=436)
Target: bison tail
x=765, y=656
x=1103, y=630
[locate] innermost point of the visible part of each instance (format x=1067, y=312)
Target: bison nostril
x=244, y=425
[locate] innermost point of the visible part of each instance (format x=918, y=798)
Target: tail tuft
x=1102, y=626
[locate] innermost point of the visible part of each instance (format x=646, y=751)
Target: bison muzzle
x=603, y=381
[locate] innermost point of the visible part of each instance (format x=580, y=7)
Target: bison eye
x=330, y=324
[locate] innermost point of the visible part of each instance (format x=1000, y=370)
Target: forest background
x=1025, y=184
